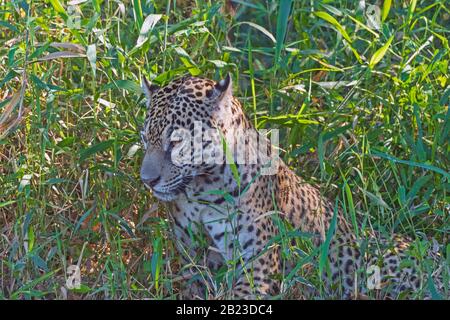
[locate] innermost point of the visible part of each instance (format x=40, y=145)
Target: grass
x=362, y=108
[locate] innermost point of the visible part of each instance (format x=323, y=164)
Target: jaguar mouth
x=171, y=193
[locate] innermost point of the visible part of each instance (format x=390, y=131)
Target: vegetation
x=362, y=104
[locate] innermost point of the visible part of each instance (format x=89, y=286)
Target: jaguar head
x=178, y=116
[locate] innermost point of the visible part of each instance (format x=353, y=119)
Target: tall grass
x=362, y=105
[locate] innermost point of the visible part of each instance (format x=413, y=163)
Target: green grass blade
x=379, y=54
x=96, y=148
x=411, y=163
x=282, y=21
x=386, y=9
x=328, y=18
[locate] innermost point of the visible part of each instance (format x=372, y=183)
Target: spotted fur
x=234, y=227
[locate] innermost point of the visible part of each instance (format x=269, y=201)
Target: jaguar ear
x=148, y=88
x=223, y=88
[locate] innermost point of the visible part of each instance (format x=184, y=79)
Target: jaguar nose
x=151, y=182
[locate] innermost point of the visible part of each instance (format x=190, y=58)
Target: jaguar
x=227, y=213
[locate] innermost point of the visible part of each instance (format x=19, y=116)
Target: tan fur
x=239, y=230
